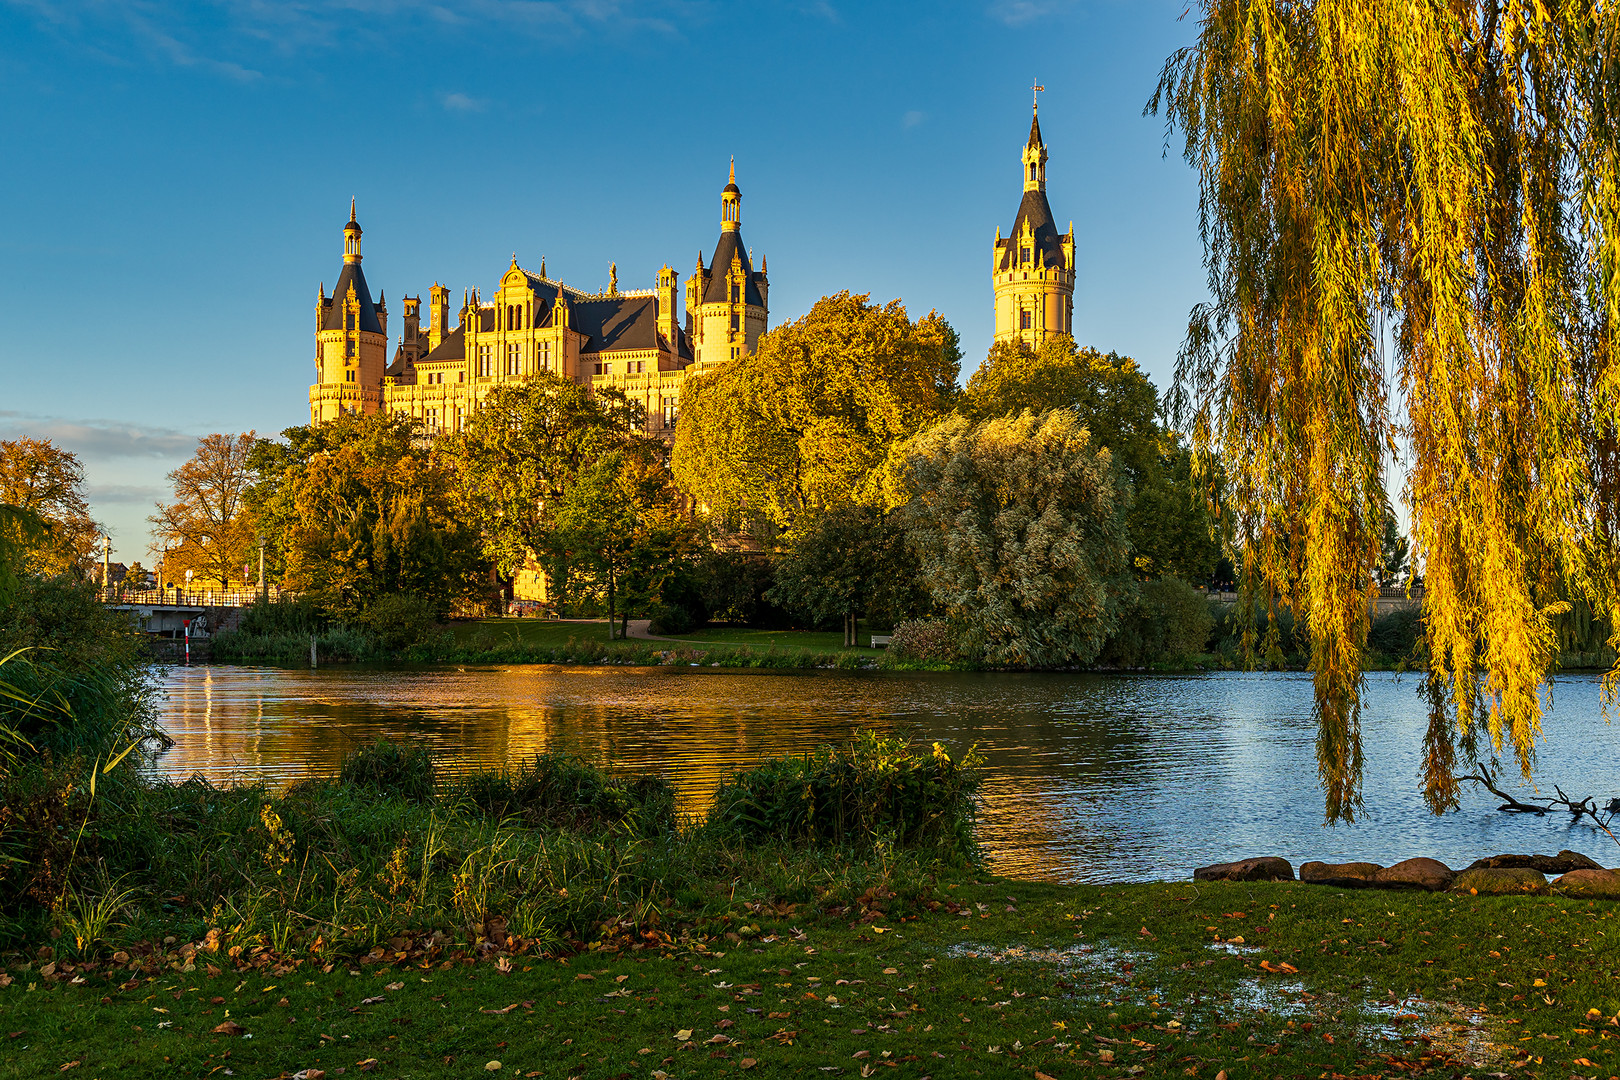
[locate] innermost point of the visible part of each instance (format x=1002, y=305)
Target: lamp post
x=263, y=595
x=106, y=566
x=188, y=584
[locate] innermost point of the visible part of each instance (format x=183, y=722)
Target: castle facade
x=644, y=343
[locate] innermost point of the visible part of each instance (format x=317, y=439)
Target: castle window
x=669, y=412
x=545, y=356
x=348, y=320
x=736, y=293
x=1023, y=320
x=461, y=376
x=602, y=369
x=485, y=361
x=348, y=349
x=1027, y=259
x=734, y=320
x=514, y=359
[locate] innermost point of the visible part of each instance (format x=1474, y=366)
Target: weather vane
x=1038, y=90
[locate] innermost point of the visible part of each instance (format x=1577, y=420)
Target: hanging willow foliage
x=1450, y=170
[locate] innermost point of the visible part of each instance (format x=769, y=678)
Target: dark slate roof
x=332, y=317
x=1038, y=213
x=398, y=367
x=453, y=346
x=730, y=244
x=1035, y=130
x=617, y=323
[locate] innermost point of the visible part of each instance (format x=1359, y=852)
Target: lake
x=1089, y=777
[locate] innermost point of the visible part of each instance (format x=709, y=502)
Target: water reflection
x=1090, y=777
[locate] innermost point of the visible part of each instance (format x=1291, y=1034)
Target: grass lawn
x=543, y=633
x=779, y=639
x=549, y=633
x=994, y=979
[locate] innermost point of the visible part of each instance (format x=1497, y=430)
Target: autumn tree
x=522, y=451
x=1444, y=177
x=807, y=420
x=208, y=527
x=1173, y=530
x=1019, y=526
x=359, y=509
x=46, y=482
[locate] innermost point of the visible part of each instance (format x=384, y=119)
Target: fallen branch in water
x=1585, y=808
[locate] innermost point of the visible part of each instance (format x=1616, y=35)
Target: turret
x=669, y=307
x=1032, y=271
x=731, y=203
x=438, y=315
x=351, y=238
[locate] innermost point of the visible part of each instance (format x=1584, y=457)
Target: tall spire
x=731, y=202
x=351, y=237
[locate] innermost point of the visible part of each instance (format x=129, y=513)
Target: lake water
x=1090, y=777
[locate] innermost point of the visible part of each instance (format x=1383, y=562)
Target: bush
x=1394, y=637
x=923, y=641
x=1169, y=623
x=399, y=621
x=880, y=790
x=388, y=768
x=284, y=615
x=559, y=790
x=671, y=619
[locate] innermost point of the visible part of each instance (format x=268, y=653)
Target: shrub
x=283, y=615
x=671, y=619
x=389, y=768
x=559, y=790
x=1394, y=637
x=1168, y=623
x=879, y=790
x=399, y=620
x=923, y=641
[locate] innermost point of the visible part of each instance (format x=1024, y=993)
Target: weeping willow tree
x=1448, y=170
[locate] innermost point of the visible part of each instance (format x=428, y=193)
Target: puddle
x=1105, y=972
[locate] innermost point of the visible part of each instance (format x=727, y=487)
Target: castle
x=644, y=343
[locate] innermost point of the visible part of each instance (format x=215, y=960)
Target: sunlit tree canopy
x=1443, y=176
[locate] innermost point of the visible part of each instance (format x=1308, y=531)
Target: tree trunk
x=612, y=626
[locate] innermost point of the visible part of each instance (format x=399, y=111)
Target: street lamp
x=106, y=565
x=262, y=594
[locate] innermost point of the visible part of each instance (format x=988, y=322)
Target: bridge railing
x=187, y=597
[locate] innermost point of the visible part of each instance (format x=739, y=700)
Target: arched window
x=1023, y=319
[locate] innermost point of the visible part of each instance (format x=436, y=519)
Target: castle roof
x=332, y=312
x=453, y=346
x=715, y=292
x=617, y=323
x=1037, y=213
x=1035, y=131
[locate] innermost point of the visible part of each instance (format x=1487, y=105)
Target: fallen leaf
x=310, y=1074
x=372, y=1000
x=492, y=1066
x=880, y=929
x=713, y=1039
x=499, y=1012
x=76, y=1064
x=1042, y=1076
x=50, y=969
x=229, y=1027
x=747, y=1063
x=1278, y=969
x=1586, y=1063
x=861, y=1054
x=682, y=1035
x=891, y=971
x=395, y=986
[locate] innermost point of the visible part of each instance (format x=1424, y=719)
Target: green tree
x=208, y=527
x=47, y=482
x=1019, y=526
x=847, y=562
x=808, y=419
x=1394, y=552
x=1173, y=530
x=521, y=453
x=1446, y=177
x=622, y=532
x=359, y=508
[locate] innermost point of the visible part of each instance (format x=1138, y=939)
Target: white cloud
x=99, y=440
x=461, y=103
x=1021, y=12
x=912, y=118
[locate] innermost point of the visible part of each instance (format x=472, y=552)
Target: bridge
x=169, y=612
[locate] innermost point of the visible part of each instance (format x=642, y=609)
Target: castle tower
x=726, y=301
x=351, y=341
x=1033, y=268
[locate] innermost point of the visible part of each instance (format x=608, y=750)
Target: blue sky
x=176, y=177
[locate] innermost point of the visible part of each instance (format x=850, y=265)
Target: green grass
x=810, y=641
x=540, y=633
x=960, y=979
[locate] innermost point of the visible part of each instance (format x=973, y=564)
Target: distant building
x=1033, y=267
x=643, y=342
